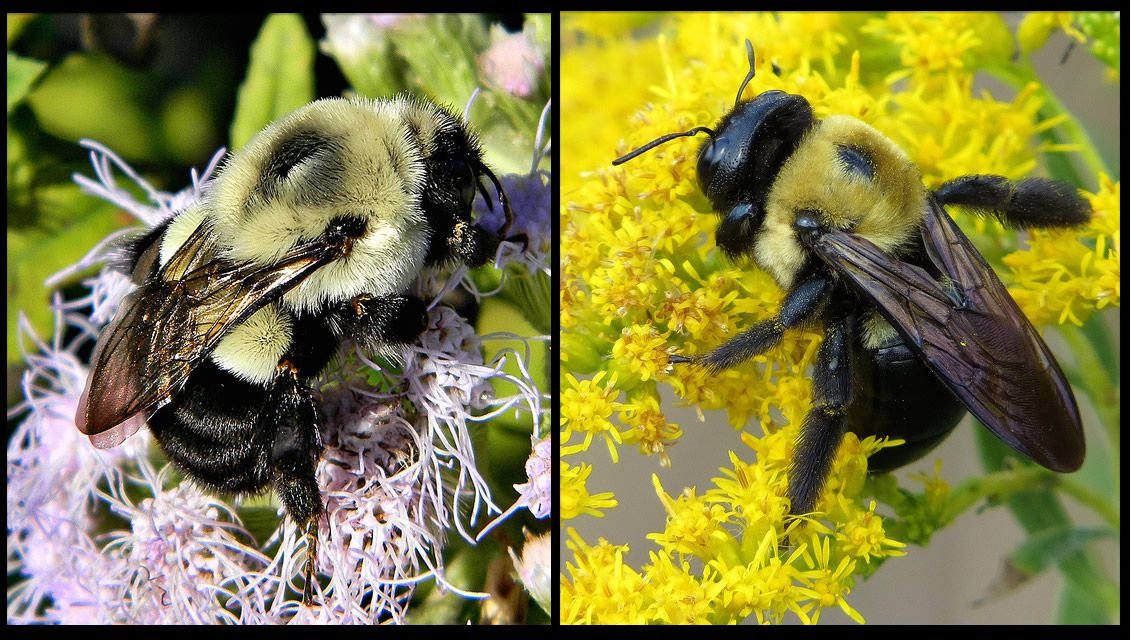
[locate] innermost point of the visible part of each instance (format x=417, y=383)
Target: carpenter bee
x=918, y=329
x=311, y=233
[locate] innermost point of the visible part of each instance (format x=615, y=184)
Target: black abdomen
x=896, y=395
x=212, y=431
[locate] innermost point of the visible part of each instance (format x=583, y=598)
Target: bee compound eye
x=465, y=184
x=711, y=158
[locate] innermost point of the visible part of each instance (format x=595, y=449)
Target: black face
x=453, y=172
x=739, y=164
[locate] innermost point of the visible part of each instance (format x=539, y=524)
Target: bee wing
x=970, y=332
x=166, y=327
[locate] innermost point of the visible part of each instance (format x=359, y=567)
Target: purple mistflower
x=537, y=493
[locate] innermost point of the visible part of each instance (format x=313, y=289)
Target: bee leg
x=824, y=425
x=311, y=533
x=471, y=244
x=1025, y=204
x=799, y=305
x=293, y=415
x=376, y=321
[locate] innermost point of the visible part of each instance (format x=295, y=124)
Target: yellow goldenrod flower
x=929, y=43
x=602, y=589
x=1037, y=26
x=641, y=351
x=574, y=496
x=586, y=407
x=863, y=537
x=830, y=585
x=694, y=527
x=649, y=429
x=1064, y=276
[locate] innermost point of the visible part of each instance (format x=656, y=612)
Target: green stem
x=1004, y=484
x=999, y=485
x=1089, y=498
x=1096, y=381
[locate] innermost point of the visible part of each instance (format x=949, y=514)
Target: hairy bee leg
x=376, y=321
x=311, y=533
x=292, y=413
x=472, y=244
x=799, y=305
x=824, y=425
x=1025, y=204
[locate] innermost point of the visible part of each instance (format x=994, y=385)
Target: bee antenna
x=507, y=212
x=661, y=140
x=749, y=76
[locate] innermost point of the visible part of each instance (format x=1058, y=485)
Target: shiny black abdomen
x=212, y=431
x=894, y=394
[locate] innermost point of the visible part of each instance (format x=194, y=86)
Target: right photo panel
x=839, y=327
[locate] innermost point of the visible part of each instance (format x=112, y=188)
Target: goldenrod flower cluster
x=641, y=279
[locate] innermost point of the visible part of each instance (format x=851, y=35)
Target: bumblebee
x=918, y=329
x=311, y=233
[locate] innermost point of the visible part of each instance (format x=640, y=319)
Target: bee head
x=454, y=173
x=739, y=163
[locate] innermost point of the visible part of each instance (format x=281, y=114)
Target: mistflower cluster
x=398, y=471
x=183, y=558
x=640, y=278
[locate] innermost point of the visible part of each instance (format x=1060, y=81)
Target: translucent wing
x=970, y=332
x=167, y=326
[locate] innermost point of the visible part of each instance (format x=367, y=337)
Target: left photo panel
x=279, y=319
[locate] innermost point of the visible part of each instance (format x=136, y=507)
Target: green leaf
x=542, y=28
x=1049, y=546
x=94, y=96
x=365, y=54
x=1041, y=510
x=1080, y=606
x=440, y=52
x=16, y=24
x=190, y=131
x=437, y=606
x=507, y=126
x=72, y=223
x=22, y=73
x=280, y=76
x=260, y=517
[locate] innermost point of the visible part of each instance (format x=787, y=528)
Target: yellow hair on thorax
x=886, y=208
